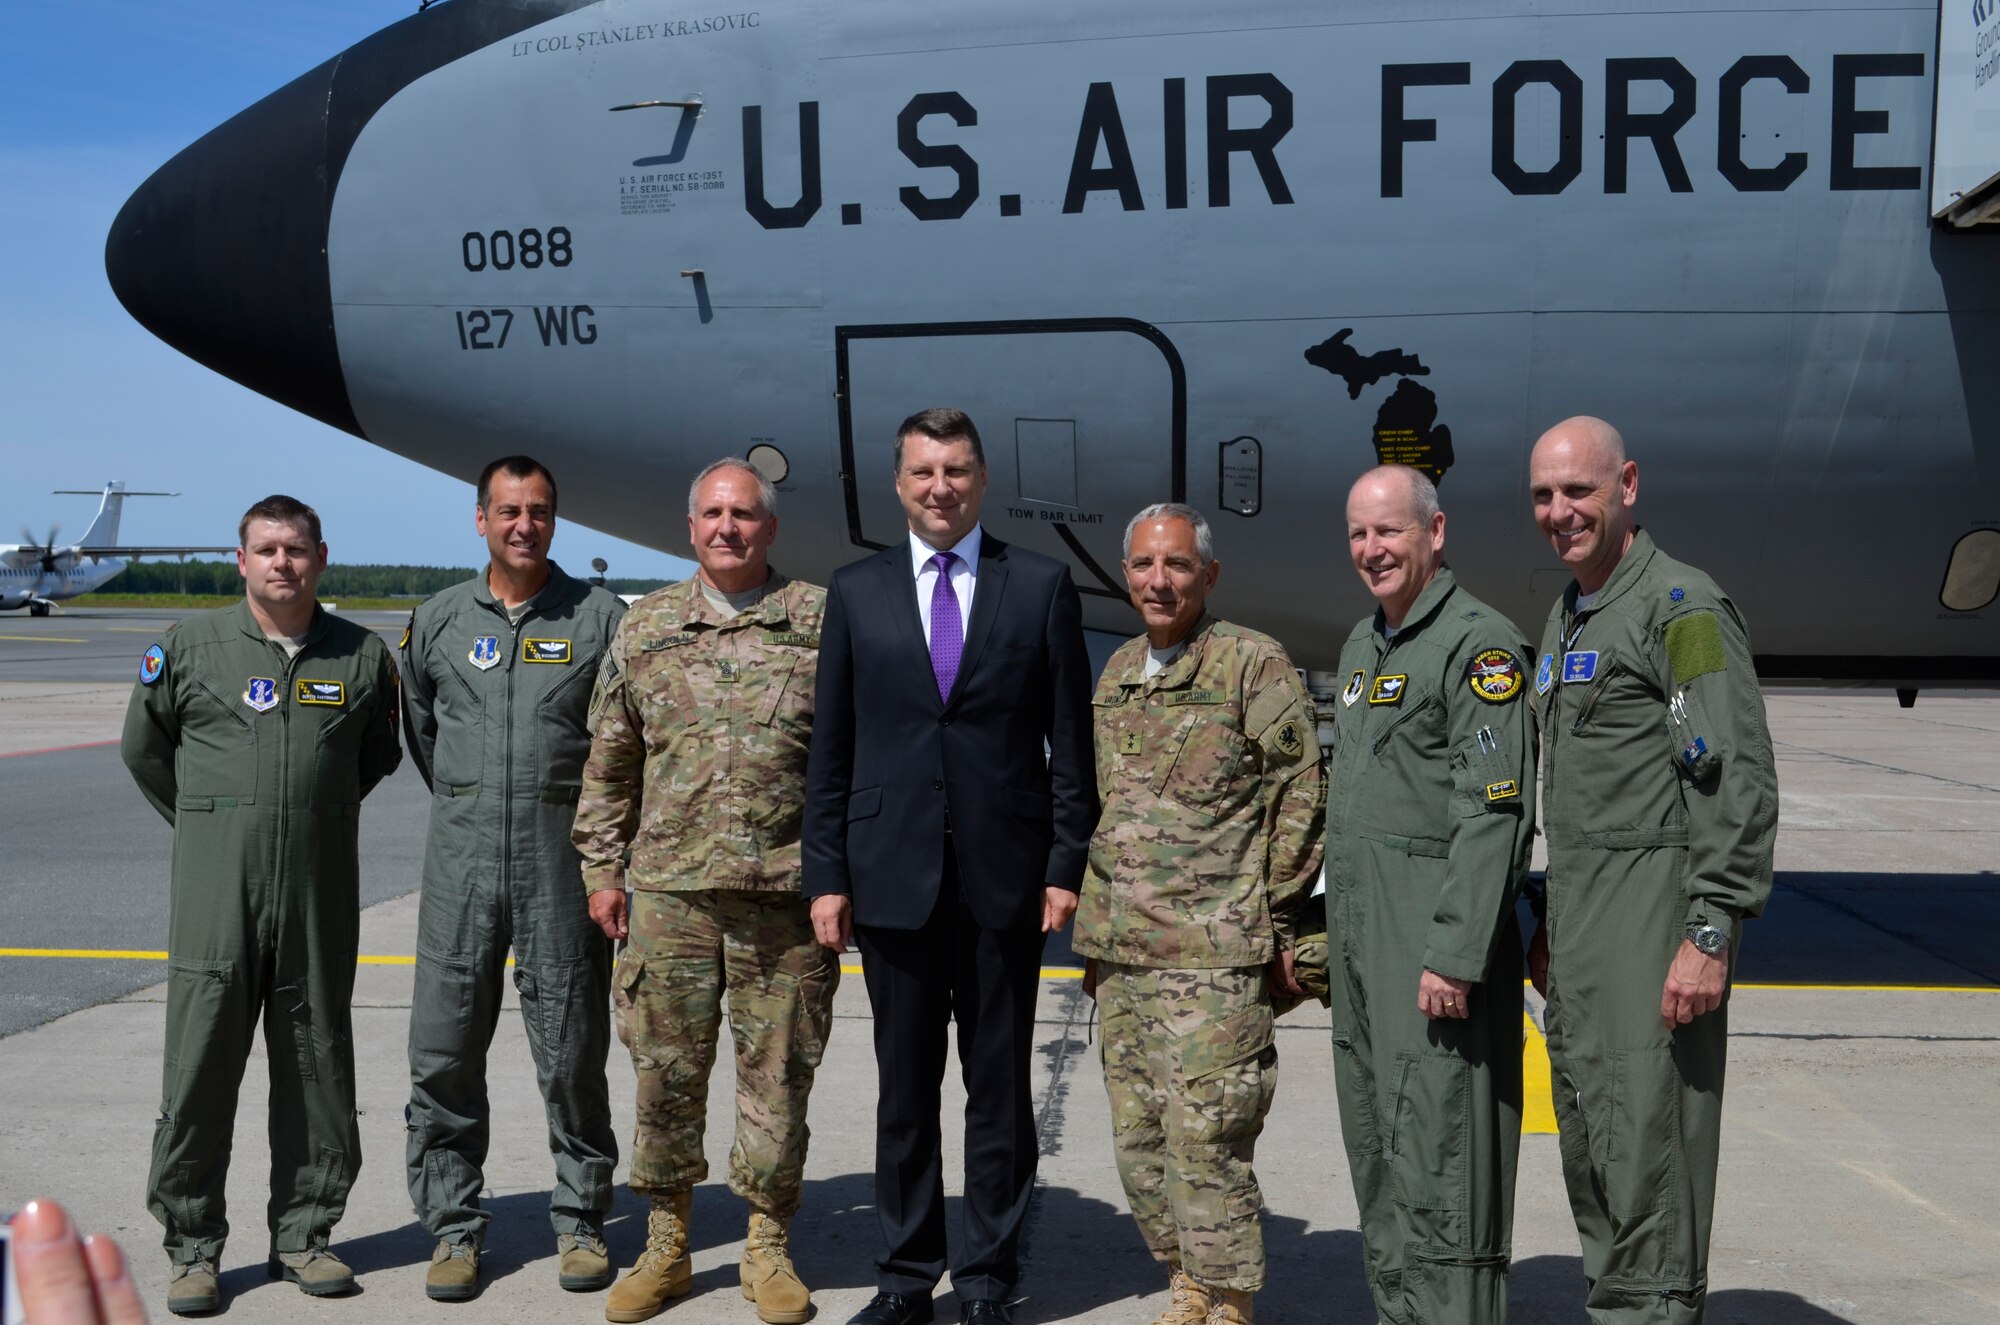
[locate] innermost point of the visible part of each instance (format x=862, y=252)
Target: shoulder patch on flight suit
x=403, y=645
x=545, y=650
x=1494, y=675
x=332, y=694
x=153, y=665
x=1354, y=686
x=1694, y=646
x=1389, y=689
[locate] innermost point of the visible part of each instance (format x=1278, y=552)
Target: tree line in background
x=340, y=581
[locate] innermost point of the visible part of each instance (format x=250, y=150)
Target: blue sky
x=94, y=96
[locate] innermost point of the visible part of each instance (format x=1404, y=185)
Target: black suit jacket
x=890, y=759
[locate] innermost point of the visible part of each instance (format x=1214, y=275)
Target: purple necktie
x=947, y=631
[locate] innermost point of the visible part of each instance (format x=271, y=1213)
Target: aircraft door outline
x=1109, y=584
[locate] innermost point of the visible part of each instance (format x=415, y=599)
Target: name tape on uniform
x=1389, y=689
x=1579, y=665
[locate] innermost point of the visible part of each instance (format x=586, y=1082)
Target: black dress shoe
x=896, y=1309
x=985, y=1311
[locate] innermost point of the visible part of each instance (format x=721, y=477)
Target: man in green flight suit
x=1208, y=769
x=497, y=676
x=694, y=793
x=1660, y=802
x=256, y=731
x=1429, y=826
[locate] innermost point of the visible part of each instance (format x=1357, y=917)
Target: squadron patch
x=485, y=654
x=1545, y=675
x=261, y=693
x=1503, y=791
x=545, y=650
x=1353, y=691
x=1494, y=675
x=1287, y=738
x=1389, y=689
x=328, y=694
x=153, y=665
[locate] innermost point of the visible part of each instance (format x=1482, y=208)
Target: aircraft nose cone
x=222, y=253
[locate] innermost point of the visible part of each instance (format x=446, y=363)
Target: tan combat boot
x=192, y=1289
x=1188, y=1302
x=583, y=1263
x=1229, y=1307
x=662, y=1272
x=768, y=1277
x=454, y=1272
x=316, y=1270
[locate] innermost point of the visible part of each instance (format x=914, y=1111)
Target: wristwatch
x=1708, y=940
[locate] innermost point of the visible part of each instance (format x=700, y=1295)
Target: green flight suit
x=498, y=715
x=1430, y=820
x=1660, y=802
x=260, y=762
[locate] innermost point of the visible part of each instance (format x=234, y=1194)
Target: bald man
x=1660, y=803
x=1430, y=812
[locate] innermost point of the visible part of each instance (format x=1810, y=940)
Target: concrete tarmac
x=1858, y=1161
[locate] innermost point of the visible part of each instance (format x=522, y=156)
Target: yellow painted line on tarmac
x=1538, y=1109
x=134, y=630
x=89, y=954
x=1048, y=972
x=138, y=955
x=44, y=639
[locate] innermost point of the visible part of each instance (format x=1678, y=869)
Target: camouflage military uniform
x=1208, y=844
x=697, y=762
x=1432, y=811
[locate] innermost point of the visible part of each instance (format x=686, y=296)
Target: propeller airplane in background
x=38, y=575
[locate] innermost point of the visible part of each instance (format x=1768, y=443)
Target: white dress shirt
x=964, y=575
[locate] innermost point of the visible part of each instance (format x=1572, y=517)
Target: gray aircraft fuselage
x=1231, y=254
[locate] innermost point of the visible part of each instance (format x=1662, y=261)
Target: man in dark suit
x=940, y=834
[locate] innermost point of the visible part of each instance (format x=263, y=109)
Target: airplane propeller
x=47, y=551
